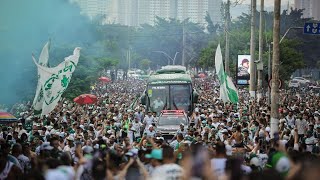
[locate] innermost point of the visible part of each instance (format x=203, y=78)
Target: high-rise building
x=136, y=12
x=92, y=8
x=310, y=8
x=214, y=9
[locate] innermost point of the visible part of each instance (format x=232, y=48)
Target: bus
x=169, y=88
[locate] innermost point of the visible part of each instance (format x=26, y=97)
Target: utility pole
x=227, y=53
x=183, y=44
x=129, y=57
x=252, y=84
x=260, y=63
x=269, y=74
x=275, y=70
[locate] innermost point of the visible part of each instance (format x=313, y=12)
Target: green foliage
x=145, y=64
x=106, y=63
x=212, y=28
x=290, y=58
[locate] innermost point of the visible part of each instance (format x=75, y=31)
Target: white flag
x=228, y=91
x=54, y=81
x=43, y=61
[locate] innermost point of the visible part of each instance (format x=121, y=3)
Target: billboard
x=243, y=70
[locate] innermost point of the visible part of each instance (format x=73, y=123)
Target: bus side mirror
x=143, y=99
x=195, y=96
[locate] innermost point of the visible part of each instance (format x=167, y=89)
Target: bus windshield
x=177, y=96
x=180, y=96
x=159, y=97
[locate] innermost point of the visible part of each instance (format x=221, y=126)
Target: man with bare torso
x=238, y=137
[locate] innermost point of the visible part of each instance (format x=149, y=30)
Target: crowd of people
x=116, y=138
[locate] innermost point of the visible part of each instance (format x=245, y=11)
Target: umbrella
x=85, y=99
x=202, y=75
x=105, y=79
x=6, y=118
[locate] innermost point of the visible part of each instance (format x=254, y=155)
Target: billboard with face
x=243, y=70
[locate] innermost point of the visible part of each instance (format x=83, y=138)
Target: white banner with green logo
x=54, y=81
x=43, y=61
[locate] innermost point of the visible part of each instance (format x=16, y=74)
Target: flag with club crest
x=54, y=81
x=43, y=61
x=228, y=91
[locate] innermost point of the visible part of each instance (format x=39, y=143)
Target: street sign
x=311, y=28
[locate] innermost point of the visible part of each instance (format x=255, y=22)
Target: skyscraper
x=136, y=12
x=310, y=8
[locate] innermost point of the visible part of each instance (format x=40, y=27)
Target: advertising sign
x=243, y=70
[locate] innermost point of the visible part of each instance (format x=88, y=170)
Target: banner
x=228, y=92
x=243, y=70
x=43, y=61
x=54, y=81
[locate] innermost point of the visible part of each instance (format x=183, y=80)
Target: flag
x=228, y=91
x=54, y=81
x=43, y=61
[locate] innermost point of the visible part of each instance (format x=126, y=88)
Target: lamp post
x=168, y=57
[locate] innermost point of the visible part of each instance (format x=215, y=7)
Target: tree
x=145, y=64
x=290, y=58
x=211, y=28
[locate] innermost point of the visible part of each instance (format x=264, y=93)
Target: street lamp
x=285, y=34
x=168, y=57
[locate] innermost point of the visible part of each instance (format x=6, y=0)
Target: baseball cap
x=19, y=124
x=88, y=149
x=255, y=161
x=132, y=152
x=268, y=129
x=70, y=138
x=45, y=146
x=155, y=154
x=280, y=162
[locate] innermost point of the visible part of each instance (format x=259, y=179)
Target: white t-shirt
x=148, y=120
x=167, y=171
x=312, y=141
x=62, y=172
x=301, y=125
x=290, y=121
x=218, y=166
x=215, y=124
x=137, y=128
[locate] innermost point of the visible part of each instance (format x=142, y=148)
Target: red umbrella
x=85, y=99
x=105, y=79
x=202, y=75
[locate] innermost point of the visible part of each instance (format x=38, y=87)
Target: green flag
x=228, y=91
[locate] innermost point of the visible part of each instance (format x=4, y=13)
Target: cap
x=254, y=161
x=19, y=124
x=224, y=131
x=280, y=162
x=45, y=146
x=150, y=126
x=155, y=154
x=88, y=149
x=132, y=152
x=70, y=138
x=268, y=129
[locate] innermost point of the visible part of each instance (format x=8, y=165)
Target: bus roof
x=169, y=79
x=171, y=69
